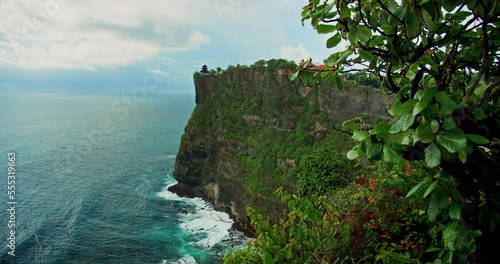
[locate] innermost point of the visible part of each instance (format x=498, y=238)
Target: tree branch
x=487, y=92
x=483, y=63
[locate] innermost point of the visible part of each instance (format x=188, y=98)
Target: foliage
x=323, y=171
x=307, y=233
x=434, y=56
x=367, y=221
x=363, y=79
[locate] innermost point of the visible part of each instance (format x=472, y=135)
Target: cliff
x=250, y=128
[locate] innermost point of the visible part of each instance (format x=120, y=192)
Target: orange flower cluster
x=407, y=169
x=374, y=184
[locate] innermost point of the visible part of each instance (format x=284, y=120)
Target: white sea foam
x=186, y=259
x=207, y=226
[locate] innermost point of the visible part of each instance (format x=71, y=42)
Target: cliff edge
x=250, y=128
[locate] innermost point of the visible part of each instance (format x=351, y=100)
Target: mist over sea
x=92, y=171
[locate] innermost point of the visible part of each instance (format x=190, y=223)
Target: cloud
x=297, y=54
x=62, y=34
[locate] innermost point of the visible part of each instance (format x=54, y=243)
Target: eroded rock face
x=206, y=165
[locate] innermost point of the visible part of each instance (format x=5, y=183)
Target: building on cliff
x=204, y=69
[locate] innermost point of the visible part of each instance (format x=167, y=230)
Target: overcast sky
x=114, y=43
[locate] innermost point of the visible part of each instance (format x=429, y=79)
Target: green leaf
x=268, y=258
x=434, y=126
x=432, y=210
x=441, y=196
x=417, y=187
x=450, y=230
x=419, y=107
x=402, y=92
x=449, y=123
x=424, y=133
x=462, y=155
x=412, y=71
x=364, y=33
x=353, y=154
x=480, y=140
x=391, y=155
x=430, y=189
x=432, y=155
x=428, y=94
x=402, y=124
x=373, y=149
x=433, y=250
x=449, y=5
x=325, y=28
x=399, y=109
x=343, y=57
x=294, y=76
x=428, y=20
x=313, y=215
x=344, y=10
x=333, y=41
x=366, y=55
x=360, y=135
x=479, y=114
x=408, y=122
x=382, y=130
x=474, y=233
x=447, y=107
x=453, y=141
x=307, y=79
x=339, y=82
x=448, y=257
x=442, y=96
x=413, y=26
x=430, y=110
x=455, y=211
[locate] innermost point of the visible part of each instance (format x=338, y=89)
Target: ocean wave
x=186, y=259
x=207, y=226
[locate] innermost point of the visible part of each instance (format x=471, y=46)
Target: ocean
x=91, y=172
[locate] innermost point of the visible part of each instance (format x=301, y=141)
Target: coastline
x=183, y=190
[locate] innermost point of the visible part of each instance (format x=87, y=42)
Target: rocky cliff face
x=250, y=128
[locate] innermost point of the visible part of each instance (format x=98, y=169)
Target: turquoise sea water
x=91, y=178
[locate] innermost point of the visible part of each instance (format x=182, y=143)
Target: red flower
x=361, y=181
x=407, y=169
x=374, y=184
x=370, y=200
x=405, y=242
x=328, y=216
x=450, y=199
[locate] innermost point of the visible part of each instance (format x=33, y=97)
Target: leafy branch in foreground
x=440, y=59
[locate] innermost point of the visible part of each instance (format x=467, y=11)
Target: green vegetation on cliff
x=441, y=151
x=252, y=129
x=276, y=127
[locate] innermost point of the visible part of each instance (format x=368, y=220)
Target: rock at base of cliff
x=183, y=190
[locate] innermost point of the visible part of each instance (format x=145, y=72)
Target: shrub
x=322, y=171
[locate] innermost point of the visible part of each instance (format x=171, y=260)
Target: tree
x=260, y=63
x=440, y=59
x=219, y=70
